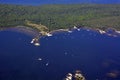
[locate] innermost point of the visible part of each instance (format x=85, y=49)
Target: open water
x=96, y=55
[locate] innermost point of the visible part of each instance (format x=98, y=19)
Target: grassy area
x=62, y=16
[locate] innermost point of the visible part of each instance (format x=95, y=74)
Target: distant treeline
x=62, y=16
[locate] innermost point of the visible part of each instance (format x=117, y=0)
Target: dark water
x=96, y=55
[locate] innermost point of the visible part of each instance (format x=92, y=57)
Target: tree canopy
x=61, y=15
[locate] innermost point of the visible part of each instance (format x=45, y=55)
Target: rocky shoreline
x=36, y=34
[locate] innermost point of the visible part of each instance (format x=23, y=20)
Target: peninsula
x=47, y=19
x=61, y=16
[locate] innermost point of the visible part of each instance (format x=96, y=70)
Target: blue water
x=42, y=2
x=94, y=54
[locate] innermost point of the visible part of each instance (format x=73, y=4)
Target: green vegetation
x=61, y=16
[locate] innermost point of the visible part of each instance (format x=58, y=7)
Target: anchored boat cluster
x=77, y=76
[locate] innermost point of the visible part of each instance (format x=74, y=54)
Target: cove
x=96, y=55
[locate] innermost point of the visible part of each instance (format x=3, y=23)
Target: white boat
x=70, y=31
x=39, y=59
x=117, y=32
x=48, y=34
x=78, y=29
x=102, y=32
x=47, y=64
x=37, y=44
x=32, y=41
x=75, y=27
x=69, y=76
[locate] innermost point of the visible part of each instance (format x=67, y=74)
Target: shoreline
x=23, y=29
x=30, y=30
x=36, y=34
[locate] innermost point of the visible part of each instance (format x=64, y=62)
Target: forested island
x=61, y=16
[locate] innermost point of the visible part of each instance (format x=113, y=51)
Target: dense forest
x=61, y=15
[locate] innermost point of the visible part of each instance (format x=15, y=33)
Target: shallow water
x=96, y=55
